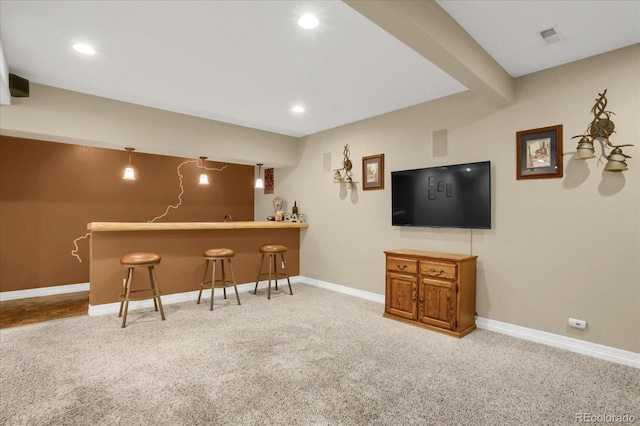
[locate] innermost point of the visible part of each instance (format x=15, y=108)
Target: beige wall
x=558, y=248
x=58, y=115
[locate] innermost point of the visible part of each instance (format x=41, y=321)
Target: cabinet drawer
x=399, y=264
x=447, y=271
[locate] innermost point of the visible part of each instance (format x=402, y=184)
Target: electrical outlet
x=576, y=323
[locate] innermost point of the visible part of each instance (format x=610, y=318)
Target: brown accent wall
x=49, y=192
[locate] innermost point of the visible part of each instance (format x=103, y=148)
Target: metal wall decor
x=600, y=129
x=343, y=174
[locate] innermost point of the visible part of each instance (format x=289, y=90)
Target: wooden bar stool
x=214, y=255
x=273, y=250
x=136, y=260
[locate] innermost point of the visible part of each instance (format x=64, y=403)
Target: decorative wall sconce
x=204, y=179
x=129, y=172
x=343, y=175
x=600, y=129
x=259, y=181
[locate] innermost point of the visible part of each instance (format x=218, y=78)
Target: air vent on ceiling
x=550, y=35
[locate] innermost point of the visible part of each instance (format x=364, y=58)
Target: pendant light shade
x=204, y=179
x=259, y=181
x=616, y=161
x=129, y=172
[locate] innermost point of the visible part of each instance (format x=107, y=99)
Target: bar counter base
x=181, y=246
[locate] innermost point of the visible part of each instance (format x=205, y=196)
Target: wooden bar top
x=181, y=226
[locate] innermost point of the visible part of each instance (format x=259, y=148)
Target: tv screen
x=455, y=196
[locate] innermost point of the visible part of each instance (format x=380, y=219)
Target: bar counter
x=177, y=226
x=181, y=245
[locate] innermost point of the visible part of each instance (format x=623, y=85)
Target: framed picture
x=373, y=172
x=539, y=153
x=268, y=181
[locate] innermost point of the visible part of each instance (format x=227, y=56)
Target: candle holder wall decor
x=343, y=174
x=600, y=130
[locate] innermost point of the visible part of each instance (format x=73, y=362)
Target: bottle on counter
x=294, y=209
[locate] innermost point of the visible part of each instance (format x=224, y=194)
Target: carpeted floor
x=314, y=358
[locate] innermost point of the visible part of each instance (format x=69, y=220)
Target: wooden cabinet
x=432, y=290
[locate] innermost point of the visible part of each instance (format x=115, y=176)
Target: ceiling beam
x=429, y=30
x=5, y=93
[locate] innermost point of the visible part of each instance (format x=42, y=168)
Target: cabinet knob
x=421, y=300
x=402, y=268
x=414, y=298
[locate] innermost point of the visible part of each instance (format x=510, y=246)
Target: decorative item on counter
x=277, y=209
x=294, y=212
x=302, y=218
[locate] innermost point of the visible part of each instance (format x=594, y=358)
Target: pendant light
x=204, y=179
x=259, y=181
x=129, y=173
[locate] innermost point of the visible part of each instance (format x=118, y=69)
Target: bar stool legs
x=132, y=261
x=272, y=250
x=222, y=255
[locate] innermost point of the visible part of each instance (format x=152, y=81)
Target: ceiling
x=249, y=63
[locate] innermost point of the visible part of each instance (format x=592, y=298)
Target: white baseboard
x=374, y=297
x=43, y=291
x=169, y=299
x=595, y=350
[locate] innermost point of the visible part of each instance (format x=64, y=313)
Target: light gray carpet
x=316, y=357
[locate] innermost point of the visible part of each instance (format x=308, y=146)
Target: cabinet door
x=438, y=303
x=402, y=291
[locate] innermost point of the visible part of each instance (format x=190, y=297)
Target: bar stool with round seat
x=137, y=260
x=214, y=255
x=273, y=250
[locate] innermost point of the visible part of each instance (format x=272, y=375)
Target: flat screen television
x=455, y=196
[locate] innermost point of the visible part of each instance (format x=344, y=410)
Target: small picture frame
x=373, y=172
x=432, y=181
x=440, y=185
x=539, y=153
x=268, y=181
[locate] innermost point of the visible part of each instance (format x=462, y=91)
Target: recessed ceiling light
x=84, y=48
x=297, y=108
x=308, y=21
